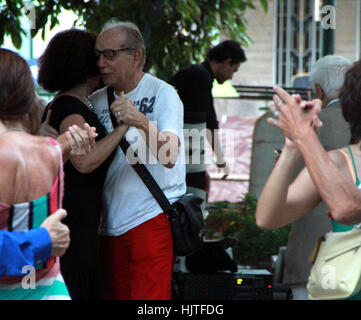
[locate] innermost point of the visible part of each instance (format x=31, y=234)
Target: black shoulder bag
x=185, y=215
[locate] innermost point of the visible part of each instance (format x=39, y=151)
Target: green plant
x=255, y=245
x=176, y=32
x=222, y=221
x=237, y=220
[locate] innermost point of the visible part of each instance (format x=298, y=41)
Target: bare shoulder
x=338, y=157
x=45, y=149
x=27, y=150
x=341, y=159
x=8, y=156
x=28, y=165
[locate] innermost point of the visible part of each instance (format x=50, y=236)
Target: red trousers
x=138, y=265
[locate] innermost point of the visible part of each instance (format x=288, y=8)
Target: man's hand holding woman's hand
x=81, y=141
x=76, y=141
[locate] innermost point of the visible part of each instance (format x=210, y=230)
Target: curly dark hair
x=227, y=49
x=68, y=60
x=18, y=101
x=350, y=98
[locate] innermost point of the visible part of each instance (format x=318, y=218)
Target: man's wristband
x=221, y=165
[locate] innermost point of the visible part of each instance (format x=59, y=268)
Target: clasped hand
x=75, y=141
x=81, y=141
x=124, y=111
x=295, y=117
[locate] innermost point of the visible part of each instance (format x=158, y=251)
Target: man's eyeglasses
x=110, y=53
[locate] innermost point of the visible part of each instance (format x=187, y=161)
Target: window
x=298, y=41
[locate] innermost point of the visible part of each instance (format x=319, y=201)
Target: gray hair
x=329, y=72
x=134, y=36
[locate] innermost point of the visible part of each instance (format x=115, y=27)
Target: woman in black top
x=68, y=65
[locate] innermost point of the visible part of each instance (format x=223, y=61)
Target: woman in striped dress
x=31, y=178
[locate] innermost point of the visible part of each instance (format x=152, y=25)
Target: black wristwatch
x=221, y=165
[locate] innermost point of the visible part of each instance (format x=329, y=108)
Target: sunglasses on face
x=110, y=53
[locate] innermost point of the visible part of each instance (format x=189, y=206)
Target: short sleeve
x=194, y=86
x=64, y=107
x=207, y=101
x=169, y=111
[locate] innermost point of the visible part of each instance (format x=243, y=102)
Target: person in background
x=327, y=77
x=331, y=176
x=194, y=85
x=75, y=78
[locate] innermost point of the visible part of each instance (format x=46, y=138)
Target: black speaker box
x=246, y=285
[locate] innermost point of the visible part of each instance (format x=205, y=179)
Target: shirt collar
x=208, y=67
x=333, y=101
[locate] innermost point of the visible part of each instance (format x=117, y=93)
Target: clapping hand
x=294, y=116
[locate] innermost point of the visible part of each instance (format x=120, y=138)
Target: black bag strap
x=139, y=167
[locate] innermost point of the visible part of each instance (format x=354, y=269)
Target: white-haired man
x=327, y=77
x=136, y=240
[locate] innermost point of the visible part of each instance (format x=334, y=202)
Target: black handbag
x=185, y=215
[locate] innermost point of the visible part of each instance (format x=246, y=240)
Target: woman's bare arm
x=103, y=148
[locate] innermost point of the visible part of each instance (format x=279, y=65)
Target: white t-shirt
x=126, y=200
